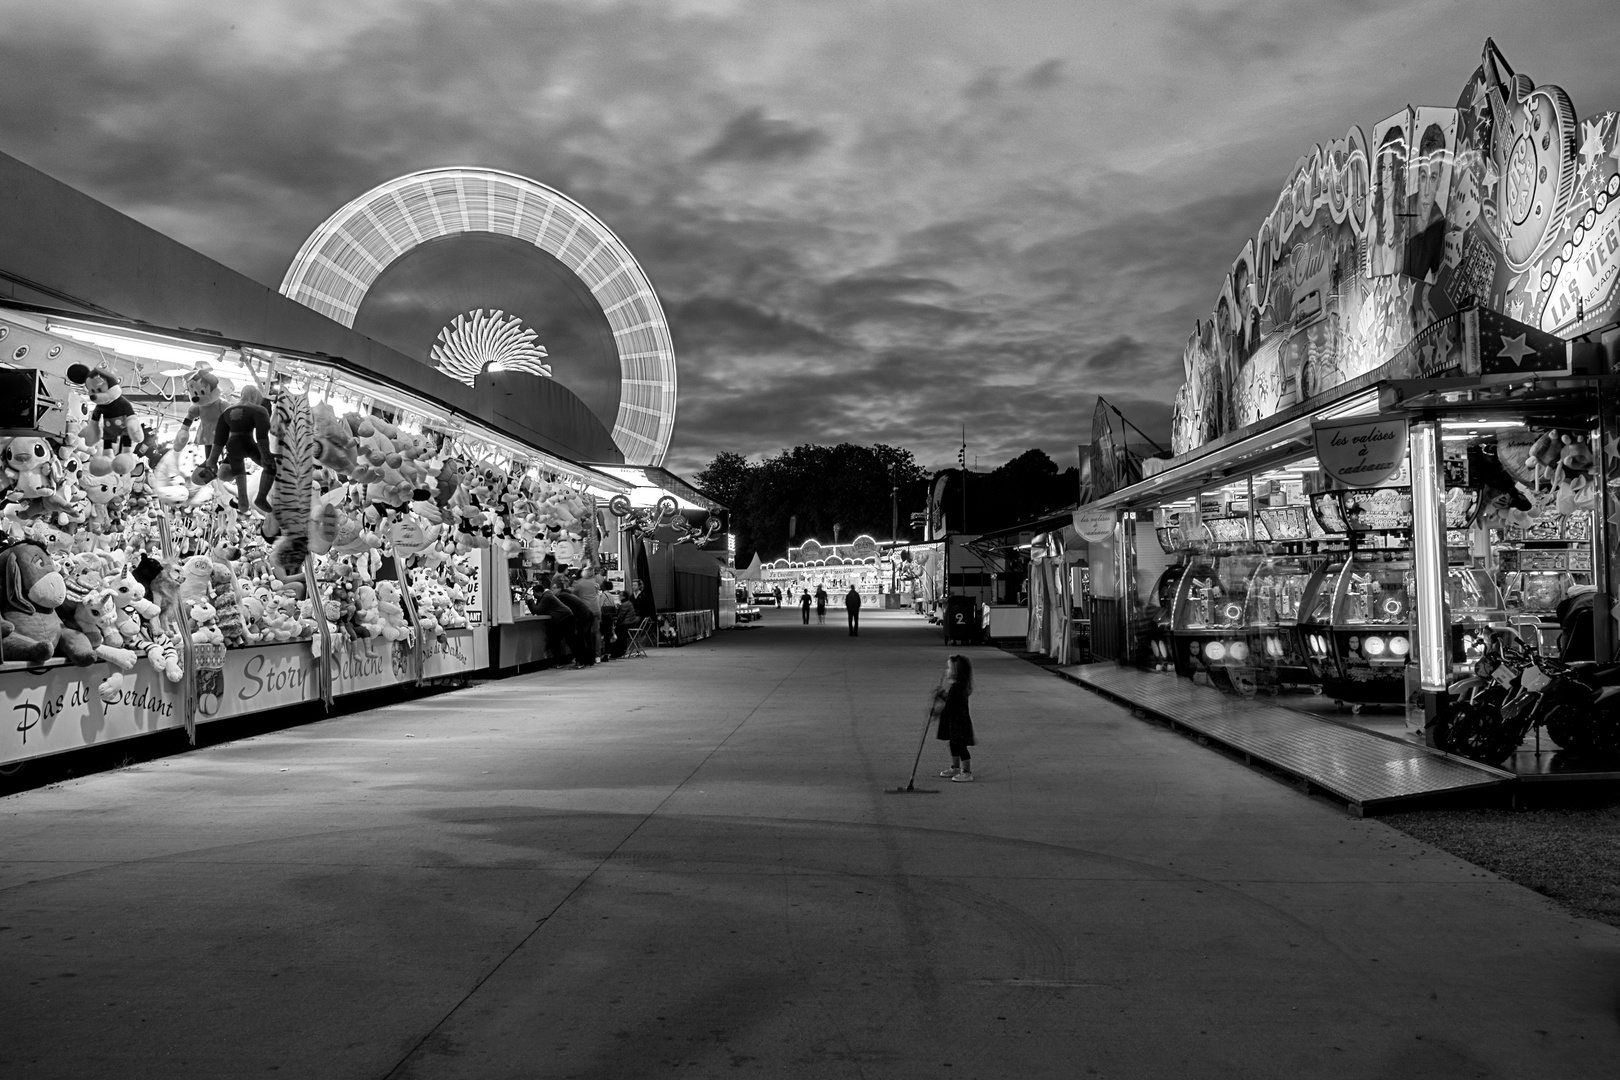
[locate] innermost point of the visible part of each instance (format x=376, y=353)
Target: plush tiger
x=290, y=493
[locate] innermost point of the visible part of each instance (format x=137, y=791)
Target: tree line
x=822, y=492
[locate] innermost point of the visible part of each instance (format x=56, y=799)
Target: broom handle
x=920, y=746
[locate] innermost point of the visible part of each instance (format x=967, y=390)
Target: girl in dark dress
x=955, y=721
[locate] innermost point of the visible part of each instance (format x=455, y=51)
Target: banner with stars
x=1509, y=347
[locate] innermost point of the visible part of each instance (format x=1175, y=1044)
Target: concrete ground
x=687, y=865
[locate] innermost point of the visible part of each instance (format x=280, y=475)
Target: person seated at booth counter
x=640, y=599
x=547, y=604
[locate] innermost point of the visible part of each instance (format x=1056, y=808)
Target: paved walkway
x=685, y=865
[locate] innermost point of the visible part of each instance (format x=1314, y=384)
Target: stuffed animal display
x=140, y=539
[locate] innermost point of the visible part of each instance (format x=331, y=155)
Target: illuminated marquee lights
x=478, y=342
x=343, y=257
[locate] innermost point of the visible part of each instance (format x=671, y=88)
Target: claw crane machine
x=1209, y=628
x=1181, y=537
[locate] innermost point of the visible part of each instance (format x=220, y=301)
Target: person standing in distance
x=804, y=606
x=821, y=605
x=852, y=604
x=955, y=721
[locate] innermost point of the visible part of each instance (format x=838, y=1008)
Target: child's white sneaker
x=949, y=773
x=962, y=778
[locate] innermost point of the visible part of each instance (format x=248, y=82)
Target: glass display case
x=1228, y=530
x=1286, y=522
x=1374, y=592
x=1325, y=509
x=1209, y=624
x=1314, y=627
x=1158, y=652
x=1363, y=648
x=1275, y=596
x=1376, y=509
x=1277, y=589
x=1475, y=606
x=1541, y=560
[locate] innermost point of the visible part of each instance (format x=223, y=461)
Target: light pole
x=894, y=507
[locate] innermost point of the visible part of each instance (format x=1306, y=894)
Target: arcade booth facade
x=864, y=563
x=219, y=500
x=1396, y=440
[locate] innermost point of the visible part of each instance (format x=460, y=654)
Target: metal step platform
x=1370, y=772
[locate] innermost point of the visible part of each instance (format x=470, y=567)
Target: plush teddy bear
x=196, y=580
x=204, y=624
x=368, y=620
x=396, y=627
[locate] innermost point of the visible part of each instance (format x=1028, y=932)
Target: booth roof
x=1008, y=538
x=364, y=380
x=654, y=476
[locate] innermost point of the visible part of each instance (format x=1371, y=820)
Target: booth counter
x=56, y=708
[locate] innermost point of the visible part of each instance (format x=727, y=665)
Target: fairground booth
x=864, y=564
x=1396, y=437
x=219, y=499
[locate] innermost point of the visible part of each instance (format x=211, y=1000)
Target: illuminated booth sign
x=1502, y=209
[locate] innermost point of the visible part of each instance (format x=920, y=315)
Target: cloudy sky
x=867, y=221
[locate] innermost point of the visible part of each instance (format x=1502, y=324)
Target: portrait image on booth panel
x=1387, y=248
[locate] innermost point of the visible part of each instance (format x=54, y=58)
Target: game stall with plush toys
x=192, y=531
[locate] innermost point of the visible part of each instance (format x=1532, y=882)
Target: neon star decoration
x=1592, y=148
x=478, y=342
x=1515, y=349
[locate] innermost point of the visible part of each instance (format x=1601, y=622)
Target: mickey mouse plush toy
x=122, y=430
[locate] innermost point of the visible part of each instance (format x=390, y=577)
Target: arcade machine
x=1473, y=601
x=1158, y=653
x=1363, y=646
x=1275, y=594
x=1209, y=628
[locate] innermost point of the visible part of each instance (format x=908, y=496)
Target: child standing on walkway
x=955, y=722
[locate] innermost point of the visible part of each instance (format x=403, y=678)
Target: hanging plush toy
x=292, y=490
x=242, y=434
x=206, y=407
x=112, y=424
x=1576, y=487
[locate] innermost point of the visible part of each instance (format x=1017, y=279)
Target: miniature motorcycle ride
x=1474, y=726
x=1577, y=704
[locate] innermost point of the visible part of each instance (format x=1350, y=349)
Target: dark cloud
x=1043, y=76
x=723, y=323
x=752, y=137
x=872, y=222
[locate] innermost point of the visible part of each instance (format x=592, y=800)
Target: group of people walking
x=593, y=622
x=852, y=604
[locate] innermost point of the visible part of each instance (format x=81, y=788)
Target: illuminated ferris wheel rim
x=344, y=256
